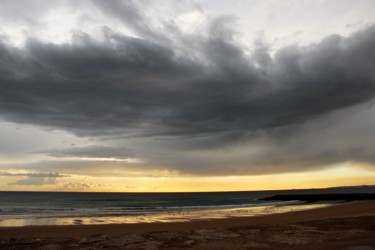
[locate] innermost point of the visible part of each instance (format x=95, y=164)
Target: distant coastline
x=322, y=197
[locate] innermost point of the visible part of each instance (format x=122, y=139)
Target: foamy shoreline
x=183, y=214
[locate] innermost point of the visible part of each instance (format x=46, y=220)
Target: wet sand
x=345, y=224
x=153, y=217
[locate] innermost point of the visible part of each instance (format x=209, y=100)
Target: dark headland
x=322, y=197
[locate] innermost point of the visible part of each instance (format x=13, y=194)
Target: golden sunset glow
x=341, y=175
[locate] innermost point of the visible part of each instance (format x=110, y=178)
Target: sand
x=340, y=226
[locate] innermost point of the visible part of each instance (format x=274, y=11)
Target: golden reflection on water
x=150, y=217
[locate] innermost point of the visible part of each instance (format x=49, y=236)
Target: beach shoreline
x=183, y=215
x=344, y=225
x=338, y=210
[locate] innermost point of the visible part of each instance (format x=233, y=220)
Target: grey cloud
x=222, y=27
x=346, y=136
x=342, y=137
x=96, y=168
x=35, y=175
x=35, y=181
x=91, y=152
x=284, y=158
x=78, y=186
x=130, y=83
x=130, y=14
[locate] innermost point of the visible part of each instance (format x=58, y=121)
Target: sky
x=175, y=96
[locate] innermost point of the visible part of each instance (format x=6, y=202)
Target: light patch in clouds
x=26, y=139
x=33, y=174
x=98, y=159
x=91, y=152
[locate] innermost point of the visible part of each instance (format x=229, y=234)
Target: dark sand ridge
x=340, y=210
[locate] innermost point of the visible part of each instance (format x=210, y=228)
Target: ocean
x=55, y=208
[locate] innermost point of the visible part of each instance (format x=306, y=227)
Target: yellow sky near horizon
x=341, y=175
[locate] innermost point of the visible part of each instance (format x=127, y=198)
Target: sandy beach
x=343, y=225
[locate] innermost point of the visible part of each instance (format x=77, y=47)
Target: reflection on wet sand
x=149, y=217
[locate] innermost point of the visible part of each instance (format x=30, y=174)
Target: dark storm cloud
x=125, y=83
x=91, y=152
x=90, y=86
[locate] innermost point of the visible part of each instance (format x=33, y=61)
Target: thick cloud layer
x=126, y=83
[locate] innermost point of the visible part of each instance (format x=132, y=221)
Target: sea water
x=58, y=208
